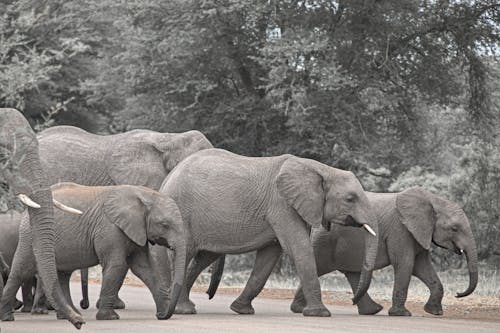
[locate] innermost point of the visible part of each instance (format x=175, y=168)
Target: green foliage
x=400, y=92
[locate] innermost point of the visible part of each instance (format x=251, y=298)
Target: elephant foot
x=9, y=316
x=39, y=311
x=297, y=306
x=402, y=311
x=242, y=308
x=18, y=305
x=317, y=311
x=185, y=308
x=107, y=314
x=118, y=304
x=434, y=308
x=84, y=304
x=370, y=310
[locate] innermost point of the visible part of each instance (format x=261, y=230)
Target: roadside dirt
x=471, y=307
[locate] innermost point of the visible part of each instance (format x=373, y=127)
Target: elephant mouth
x=454, y=248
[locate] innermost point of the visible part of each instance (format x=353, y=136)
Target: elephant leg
x=293, y=236
x=201, y=260
x=424, y=270
x=141, y=265
x=402, y=276
x=264, y=263
x=113, y=273
x=21, y=271
x=64, y=278
x=27, y=291
x=366, y=305
x=40, y=301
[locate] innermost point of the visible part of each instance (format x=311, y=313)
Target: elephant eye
x=351, y=198
x=454, y=228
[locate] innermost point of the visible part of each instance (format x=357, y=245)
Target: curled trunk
x=178, y=281
x=471, y=254
x=371, y=249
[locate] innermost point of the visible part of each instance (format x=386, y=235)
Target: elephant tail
x=217, y=269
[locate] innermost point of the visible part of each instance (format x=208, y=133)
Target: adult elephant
x=138, y=157
x=234, y=204
x=20, y=150
x=114, y=230
x=409, y=222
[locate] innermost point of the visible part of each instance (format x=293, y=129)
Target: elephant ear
x=302, y=187
x=418, y=214
x=125, y=207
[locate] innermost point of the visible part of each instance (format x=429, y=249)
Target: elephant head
x=432, y=219
x=26, y=177
x=146, y=215
x=322, y=195
x=149, y=158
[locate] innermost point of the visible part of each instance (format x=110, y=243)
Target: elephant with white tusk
x=113, y=229
x=235, y=204
x=19, y=143
x=138, y=157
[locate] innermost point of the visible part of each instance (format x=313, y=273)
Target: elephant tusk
x=66, y=208
x=27, y=201
x=369, y=229
x=461, y=251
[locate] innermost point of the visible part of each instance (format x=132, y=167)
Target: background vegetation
x=401, y=92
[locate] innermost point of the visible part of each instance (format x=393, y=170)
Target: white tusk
x=461, y=251
x=369, y=229
x=27, y=201
x=66, y=208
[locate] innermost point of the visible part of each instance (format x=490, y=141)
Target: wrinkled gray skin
x=409, y=222
x=138, y=157
x=114, y=230
x=17, y=136
x=9, y=236
x=233, y=204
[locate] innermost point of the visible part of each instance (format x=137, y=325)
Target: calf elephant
x=234, y=204
x=114, y=230
x=20, y=151
x=409, y=222
x=138, y=157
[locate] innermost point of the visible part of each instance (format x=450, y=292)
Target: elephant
x=137, y=157
x=22, y=172
x=409, y=222
x=116, y=224
x=9, y=236
x=234, y=204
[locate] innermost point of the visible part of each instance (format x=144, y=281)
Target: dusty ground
x=482, y=308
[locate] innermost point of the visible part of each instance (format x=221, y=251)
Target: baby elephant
x=408, y=222
x=114, y=230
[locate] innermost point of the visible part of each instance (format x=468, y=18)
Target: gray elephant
x=234, y=204
x=114, y=230
x=409, y=222
x=20, y=151
x=9, y=236
x=138, y=157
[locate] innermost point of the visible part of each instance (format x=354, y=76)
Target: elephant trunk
x=84, y=277
x=471, y=254
x=42, y=226
x=178, y=281
x=371, y=249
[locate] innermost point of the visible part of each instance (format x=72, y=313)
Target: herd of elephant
x=167, y=206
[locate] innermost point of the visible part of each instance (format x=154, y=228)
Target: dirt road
x=215, y=316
